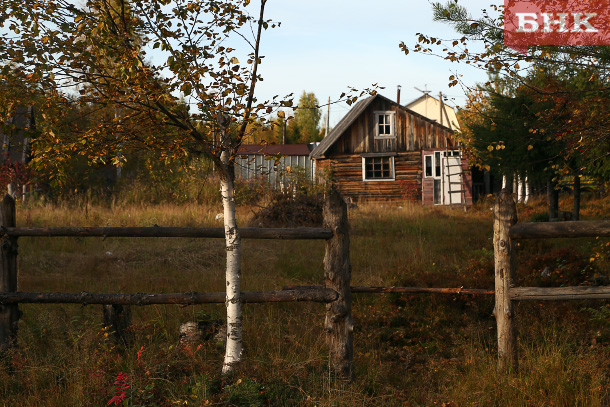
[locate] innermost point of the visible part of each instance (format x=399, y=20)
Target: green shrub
x=540, y=217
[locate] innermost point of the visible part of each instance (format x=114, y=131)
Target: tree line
x=300, y=125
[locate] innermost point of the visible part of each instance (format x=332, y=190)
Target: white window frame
x=390, y=115
x=437, y=163
x=379, y=155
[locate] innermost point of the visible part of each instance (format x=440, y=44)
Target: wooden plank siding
x=412, y=132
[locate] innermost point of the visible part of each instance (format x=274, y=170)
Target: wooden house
x=382, y=151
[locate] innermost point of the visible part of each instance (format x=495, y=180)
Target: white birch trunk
x=233, y=274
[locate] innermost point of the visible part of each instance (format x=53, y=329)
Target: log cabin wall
x=346, y=174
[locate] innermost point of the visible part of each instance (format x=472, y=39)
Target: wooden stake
x=9, y=313
x=505, y=216
x=337, y=275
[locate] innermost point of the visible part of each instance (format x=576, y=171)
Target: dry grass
x=415, y=350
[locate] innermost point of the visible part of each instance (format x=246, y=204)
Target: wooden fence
x=336, y=292
x=337, y=269
x=506, y=232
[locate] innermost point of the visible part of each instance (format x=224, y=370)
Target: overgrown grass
x=413, y=350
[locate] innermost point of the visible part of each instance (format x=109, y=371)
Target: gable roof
x=343, y=124
x=351, y=116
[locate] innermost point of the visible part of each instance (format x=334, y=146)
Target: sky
x=326, y=46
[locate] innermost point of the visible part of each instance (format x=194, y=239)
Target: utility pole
x=443, y=113
x=327, y=118
x=440, y=98
x=284, y=130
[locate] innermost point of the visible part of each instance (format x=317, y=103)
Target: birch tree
x=140, y=57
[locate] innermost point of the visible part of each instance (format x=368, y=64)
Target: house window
x=437, y=164
x=378, y=168
x=428, y=165
x=384, y=124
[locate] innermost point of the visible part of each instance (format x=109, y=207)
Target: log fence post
x=337, y=275
x=505, y=216
x=9, y=313
x=117, y=318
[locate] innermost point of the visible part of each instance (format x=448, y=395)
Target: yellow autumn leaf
x=530, y=147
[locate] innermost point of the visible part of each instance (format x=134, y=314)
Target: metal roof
x=274, y=149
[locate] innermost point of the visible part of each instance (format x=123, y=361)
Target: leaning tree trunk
x=233, y=272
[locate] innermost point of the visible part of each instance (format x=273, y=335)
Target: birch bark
x=233, y=273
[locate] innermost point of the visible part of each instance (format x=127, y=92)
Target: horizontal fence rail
x=559, y=293
x=335, y=293
x=547, y=230
x=402, y=290
x=321, y=294
x=165, y=231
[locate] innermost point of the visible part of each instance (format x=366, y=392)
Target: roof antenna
x=425, y=91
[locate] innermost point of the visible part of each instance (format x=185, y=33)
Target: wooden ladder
x=460, y=175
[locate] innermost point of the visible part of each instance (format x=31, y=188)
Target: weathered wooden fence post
x=505, y=216
x=117, y=318
x=9, y=313
x=337, y=275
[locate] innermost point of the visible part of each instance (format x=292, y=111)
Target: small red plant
x=121, y=383
x=140, y=352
